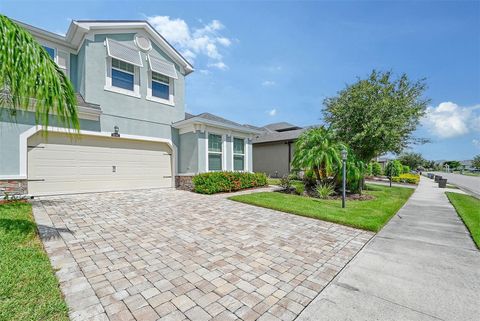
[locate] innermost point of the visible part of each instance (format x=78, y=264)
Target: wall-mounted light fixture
x=115, y=131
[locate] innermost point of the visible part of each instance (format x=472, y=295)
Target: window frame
x=109, y=79
x=238, y=154
x=171, y=91
x=221, y=153
x=125, y=72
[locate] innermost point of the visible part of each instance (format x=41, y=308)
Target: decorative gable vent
x=143, y=43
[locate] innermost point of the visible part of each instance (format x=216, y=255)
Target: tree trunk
x=317, y=174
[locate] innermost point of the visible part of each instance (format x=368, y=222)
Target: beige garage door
x=59, y=164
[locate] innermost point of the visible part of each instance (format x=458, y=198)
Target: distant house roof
x=214, y=120
x=280, y=127
x=274, y=136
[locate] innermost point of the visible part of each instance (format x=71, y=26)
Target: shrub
x=325, y=190
x=309, y=179
x=405, y=169
x=406, y=178
x=376, y=169
x=286, y=182
x=299, y=189
x=217, y=182
x=369, y=170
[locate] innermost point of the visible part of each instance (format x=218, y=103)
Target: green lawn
x=28, y=287
x=370, y=215
x=273, y=181
x=468, y=208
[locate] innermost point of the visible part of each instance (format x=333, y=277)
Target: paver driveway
x=167, y=254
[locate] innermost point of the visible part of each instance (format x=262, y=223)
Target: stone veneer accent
x=184, y=183
x=13, y=187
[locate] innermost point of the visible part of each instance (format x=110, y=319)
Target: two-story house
x=134, y=133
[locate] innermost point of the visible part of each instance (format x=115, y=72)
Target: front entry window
x=214, y=152
x=238, y=154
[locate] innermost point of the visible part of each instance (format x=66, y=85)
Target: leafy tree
x=376, y=169
x=393, y=168
x=378, y=114
x=476, y=162
x=430, y=164
x=318, y=150
x=413, y=160
x=452, y=164
x=31, y=80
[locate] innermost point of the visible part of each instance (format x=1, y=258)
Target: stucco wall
x=10, y=138
x=188, y=153
x=271, y=159
x=136, y=116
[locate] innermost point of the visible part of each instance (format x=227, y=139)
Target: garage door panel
x=62, y=165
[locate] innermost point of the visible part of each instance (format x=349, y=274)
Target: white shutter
x=162, y=67
x=124, y=53
x=62, y=60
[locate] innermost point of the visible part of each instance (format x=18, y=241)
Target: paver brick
x=172, y=255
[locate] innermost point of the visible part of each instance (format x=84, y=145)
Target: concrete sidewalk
x=422, y=266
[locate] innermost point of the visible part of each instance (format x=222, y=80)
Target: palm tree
x=318, y=150
x=30, y=79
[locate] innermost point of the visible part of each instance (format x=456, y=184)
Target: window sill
x=160, y=100
x=122, y=91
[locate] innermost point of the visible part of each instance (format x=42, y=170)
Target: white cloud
x=476, y=142
x=204, y=71
x=194, y=42
x=450, y=120
x=219, y=65
x=268, y=83
x=272, y=112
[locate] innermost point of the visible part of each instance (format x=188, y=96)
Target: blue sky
x=263, y=62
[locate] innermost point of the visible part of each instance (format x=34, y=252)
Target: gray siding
x=271, y=159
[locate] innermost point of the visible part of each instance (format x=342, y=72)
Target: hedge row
x=217, y=182
x=406, y=178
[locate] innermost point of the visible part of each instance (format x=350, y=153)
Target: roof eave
x=200, y=121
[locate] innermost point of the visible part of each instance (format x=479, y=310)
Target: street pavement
x=469, y=183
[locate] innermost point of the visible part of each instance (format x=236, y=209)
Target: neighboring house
x=273, y=149
x=134, y=130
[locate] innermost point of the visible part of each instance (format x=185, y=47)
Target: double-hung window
x=214, y=152
x=160, y=86
x=238, y=154
x=50, y=51
x=123, y=74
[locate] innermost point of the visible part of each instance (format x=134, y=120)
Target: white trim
x=245, y=166
x=196, y=120
x=108, y=27
x=12, y=177
x=23, y=147
x=171, y=89
x=224, y=152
